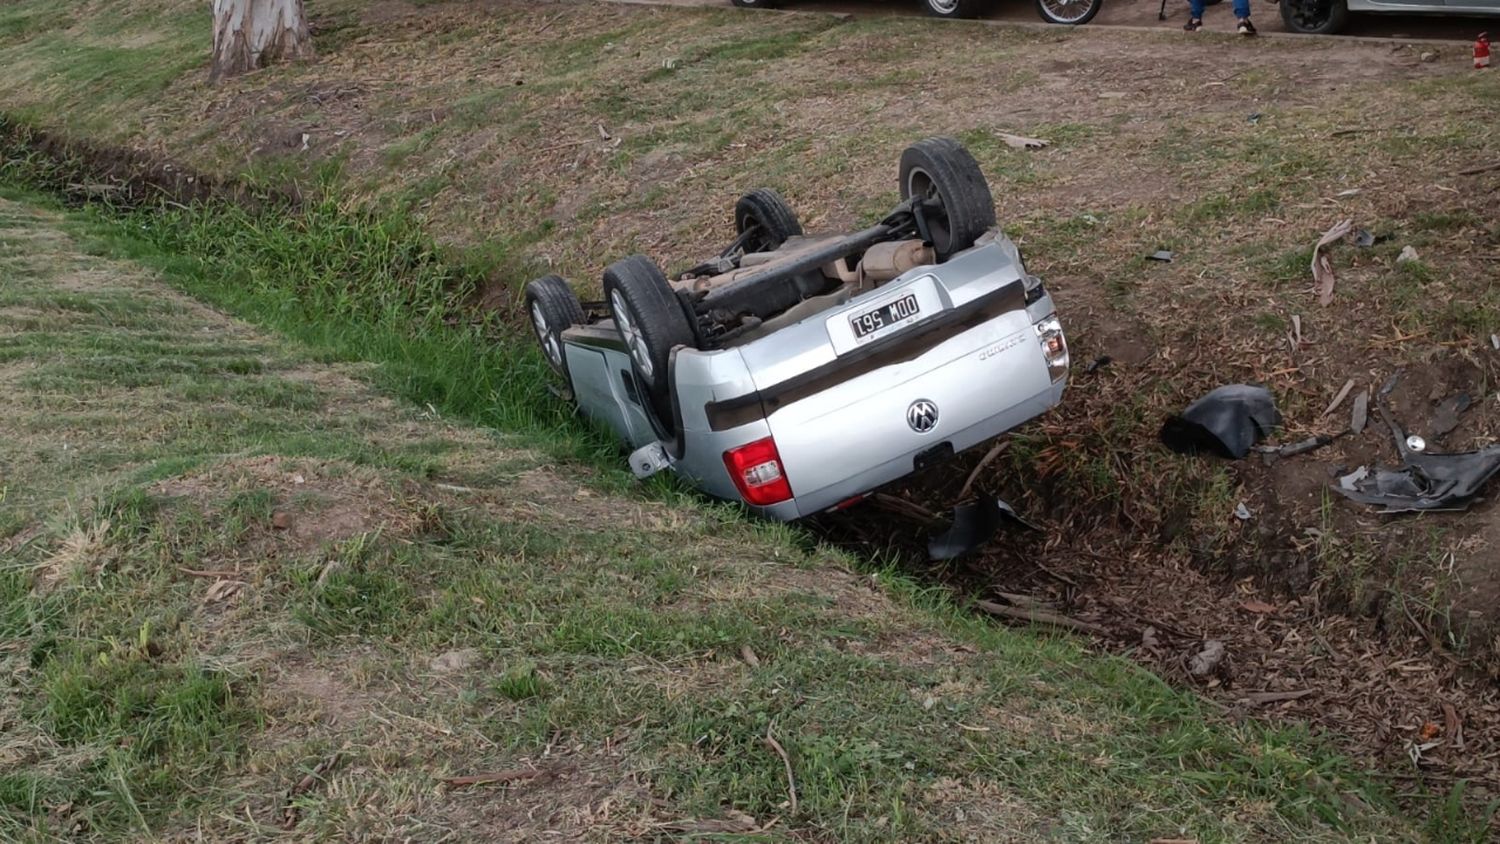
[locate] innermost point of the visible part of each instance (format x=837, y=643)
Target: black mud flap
x=974, y=523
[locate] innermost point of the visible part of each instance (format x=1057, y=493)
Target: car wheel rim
x=1309, y=14
x=1066, y=11
x=635, y=341
x=943, y=7
x=920, y=184
x=544, y=335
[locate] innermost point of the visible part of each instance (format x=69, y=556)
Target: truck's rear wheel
x=959, y=206
x=1315, y=17
x=952, y=8
x=767, y=218
x=651, y=322
x=554, y=308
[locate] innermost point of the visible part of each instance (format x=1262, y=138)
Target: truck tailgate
x=970, y=373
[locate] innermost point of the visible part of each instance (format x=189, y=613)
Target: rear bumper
x=817, y=501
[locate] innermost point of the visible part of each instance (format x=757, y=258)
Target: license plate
x=895, y=311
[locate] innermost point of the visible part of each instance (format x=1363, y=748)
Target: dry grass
x=302, y=630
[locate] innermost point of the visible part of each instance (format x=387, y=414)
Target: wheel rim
x=919, y=183
x=635, y=341
x=1066, y=11
x=943, y=7
x=1309, y=14
x=550, y=346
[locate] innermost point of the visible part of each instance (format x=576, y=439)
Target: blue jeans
x=1241, y=9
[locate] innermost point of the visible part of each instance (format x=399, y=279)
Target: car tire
x=1074, y=13
x=553, y=308
x=765, y=210
x=650, y=320
x=941, y=169
x=1315, y=17
x=953, y=8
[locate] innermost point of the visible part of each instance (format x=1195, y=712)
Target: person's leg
x=1242, y=9
x=1197, y=6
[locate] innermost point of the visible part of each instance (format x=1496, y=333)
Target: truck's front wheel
x=650, y=320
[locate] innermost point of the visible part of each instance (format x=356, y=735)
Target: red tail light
x=757, y=472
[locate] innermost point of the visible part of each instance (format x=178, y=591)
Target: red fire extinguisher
x=1482, y=51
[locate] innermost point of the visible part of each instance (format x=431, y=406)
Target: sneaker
x=1246, y=28
x=1193, y=25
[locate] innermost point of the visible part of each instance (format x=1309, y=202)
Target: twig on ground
x=1041, y=617
x=219, y=573
x=499, y=777
x=1275, y=697
x=289, y=813
x=791, y=782
x=1483, y=168
x=904, y=507
x=1056, y=575
x=979, y=467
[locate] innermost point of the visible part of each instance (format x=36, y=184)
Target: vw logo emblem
x=922, y=416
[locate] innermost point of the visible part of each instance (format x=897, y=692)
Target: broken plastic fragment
x=1226, y=422
x=1160, y=255
x=974, y=522
x=1427, y=482
x=1242, y=512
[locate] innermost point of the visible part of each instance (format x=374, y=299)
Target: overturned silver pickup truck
x=798, y=374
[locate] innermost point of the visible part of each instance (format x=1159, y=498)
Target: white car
x=1326, y=17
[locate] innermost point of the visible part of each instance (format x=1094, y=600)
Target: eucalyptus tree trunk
x=249, y=34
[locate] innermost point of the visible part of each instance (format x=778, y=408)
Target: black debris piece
x=1226, y=422
x=1299, y=447
x=974, y=522
x=1427, y=482
x=1363, y=238
x=1097, y=364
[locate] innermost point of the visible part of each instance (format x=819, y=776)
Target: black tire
x=769, y=215
x=941, y=169
x=553, y=308
x=1315, y=17
x=1070, y=12
x=651, y=322
x=953, y=8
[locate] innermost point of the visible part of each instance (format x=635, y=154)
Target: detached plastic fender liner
x=897, y=348
x=973, y=524
x=1226, y=422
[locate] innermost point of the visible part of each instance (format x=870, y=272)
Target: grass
x=154, y=699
